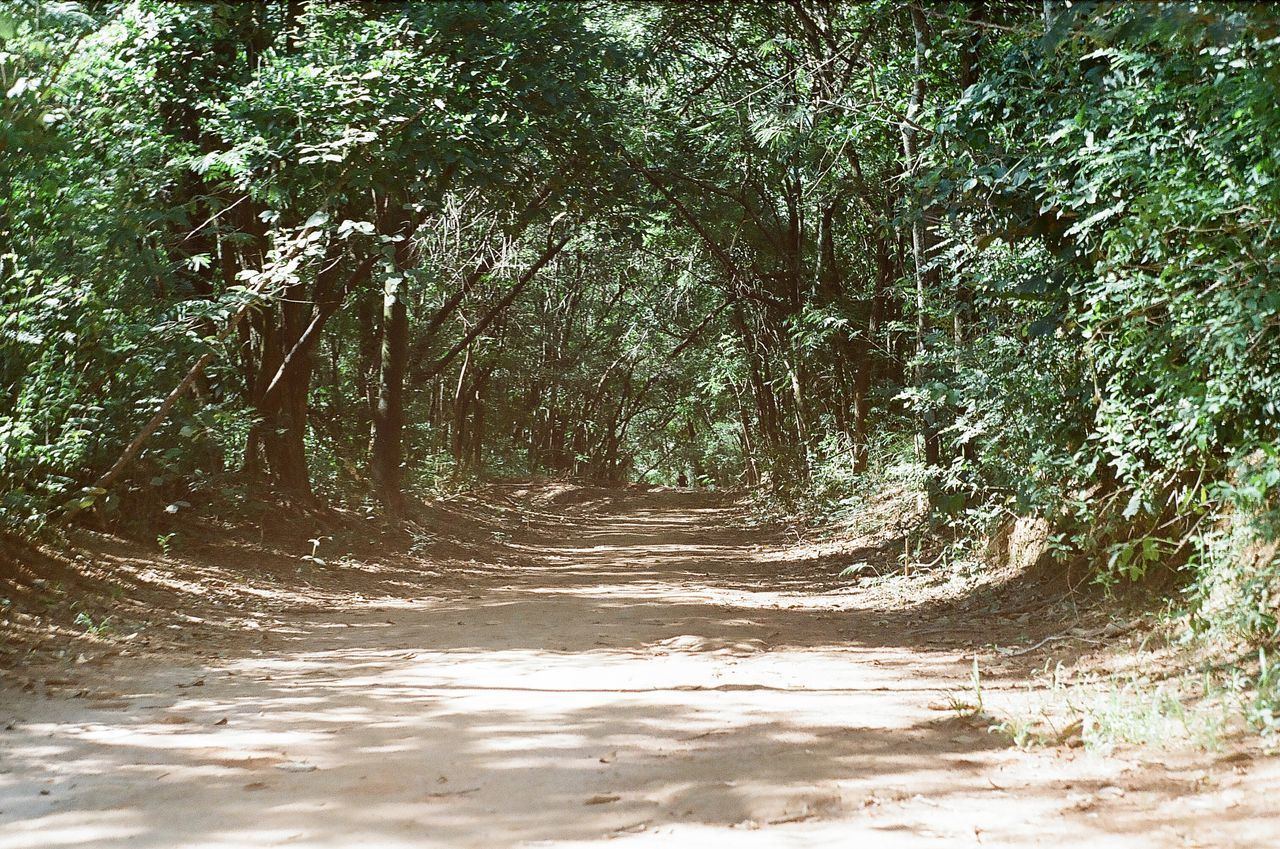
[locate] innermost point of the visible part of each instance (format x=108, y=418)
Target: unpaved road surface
x=642, y=675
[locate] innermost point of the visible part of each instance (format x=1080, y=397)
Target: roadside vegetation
x=1015, y=260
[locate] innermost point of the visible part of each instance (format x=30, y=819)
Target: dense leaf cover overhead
x=1022, y=256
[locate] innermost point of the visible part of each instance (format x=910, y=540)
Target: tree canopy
x=1019, y=256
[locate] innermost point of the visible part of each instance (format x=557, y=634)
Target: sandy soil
x=639, y=669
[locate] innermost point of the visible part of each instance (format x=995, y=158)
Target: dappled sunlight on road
x=638, y=677
x=513, y=743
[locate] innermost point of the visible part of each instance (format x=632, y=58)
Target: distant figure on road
x=682, y=481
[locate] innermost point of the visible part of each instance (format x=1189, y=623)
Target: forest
x=978, y=265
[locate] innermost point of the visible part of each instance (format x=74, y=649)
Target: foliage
x=1023, y=262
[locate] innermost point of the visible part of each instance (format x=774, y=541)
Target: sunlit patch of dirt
x=509, y=669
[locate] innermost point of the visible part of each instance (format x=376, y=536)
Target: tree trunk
x=920, y=234
x=276, y=444
x=963, y=314
x=284, y=437
x=388, y=413
x=461, y=401
x=387, y=448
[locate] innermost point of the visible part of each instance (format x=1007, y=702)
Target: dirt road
x=641, y=674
